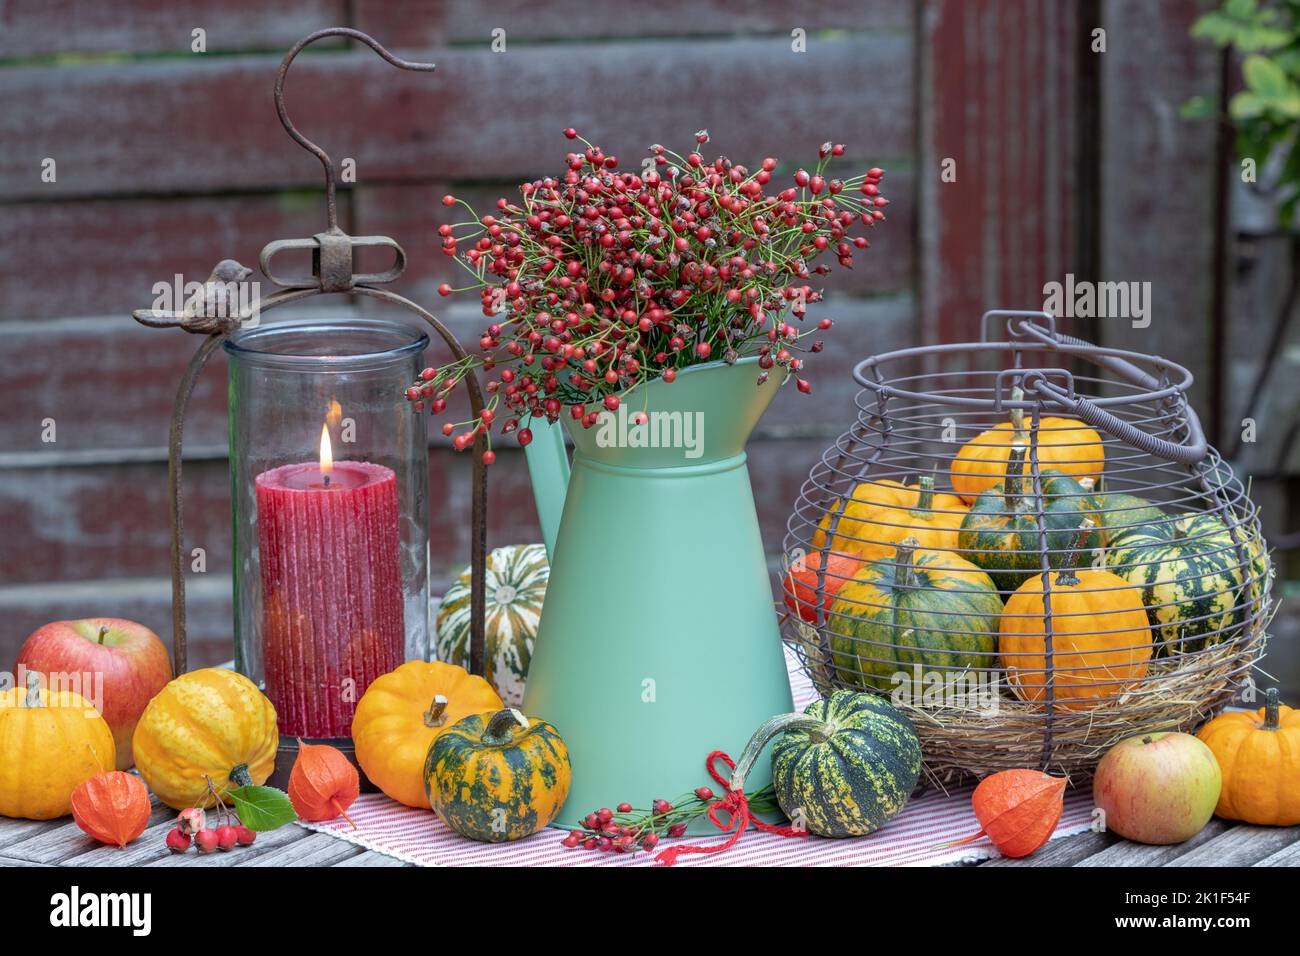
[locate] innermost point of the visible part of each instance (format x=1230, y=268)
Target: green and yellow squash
x=515, y=579
x=498, y=776
x=921, y=608
x=1001, y=533
x=1189, y=571
x=842, y=768
x=1120, y=513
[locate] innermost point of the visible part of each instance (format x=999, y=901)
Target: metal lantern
x=1163, y=538
x=329, y=473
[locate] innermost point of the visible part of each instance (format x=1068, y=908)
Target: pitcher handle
x=548, y=468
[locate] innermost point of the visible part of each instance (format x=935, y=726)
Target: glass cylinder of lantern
x=329, y=503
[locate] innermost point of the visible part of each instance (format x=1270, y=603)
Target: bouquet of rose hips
x=601, y=279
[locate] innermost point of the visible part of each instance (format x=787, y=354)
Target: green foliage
x=1266, y=112
x=1245, y=26
x=262, y=808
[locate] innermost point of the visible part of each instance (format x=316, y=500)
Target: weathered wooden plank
x=34, y=28
x=102, y=257
x=268, y=844
x=1242, y=845
x=1127, y=853
x=998, y=118
x=777, y=469
x=86, y=523
x=314, y=849
x=61, y=839
x=428, y=22
x=108, y=383
x=80, y=523
x=399, y=125
x=1287, y=856
x=1151, y=66
x=1262, y=358
x=1284, y=639
x=372, y=858
x=15, y=830
x=27, y=606
x=1067, y=851
x=29, y=28
x=410, y=213
x=10, y=861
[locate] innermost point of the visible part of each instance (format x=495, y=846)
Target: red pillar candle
x=332, y=618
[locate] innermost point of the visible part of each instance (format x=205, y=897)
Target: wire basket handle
x=1021, y=326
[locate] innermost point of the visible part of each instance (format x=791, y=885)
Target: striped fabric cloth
x=913, y=838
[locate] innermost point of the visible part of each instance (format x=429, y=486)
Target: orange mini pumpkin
x=870, y=501
x=50, y=741
x=402, y=713
x=934, y=529
x=1101, y=639
x=1064, y=444
x=1259, y=755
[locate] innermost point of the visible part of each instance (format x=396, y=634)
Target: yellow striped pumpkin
x=212, y=721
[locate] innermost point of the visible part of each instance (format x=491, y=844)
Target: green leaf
x=1217, y=28
x=1264, y=77
x=1260, y=37
x=262, y=808
x=1199, y=107
x=1240, y=25
x=1245, y=106
x=1289, y=105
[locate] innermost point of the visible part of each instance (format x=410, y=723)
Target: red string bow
x=734, y=804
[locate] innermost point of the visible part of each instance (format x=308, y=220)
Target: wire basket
x=1036, y=555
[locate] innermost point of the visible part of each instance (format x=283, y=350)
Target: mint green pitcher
x=658, y=641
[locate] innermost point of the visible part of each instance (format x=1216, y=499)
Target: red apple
x=1157, y=788
x=134, y=663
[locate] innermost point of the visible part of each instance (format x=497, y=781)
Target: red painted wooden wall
x=168, y=160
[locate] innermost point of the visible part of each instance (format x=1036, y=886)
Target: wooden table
x=1221, y=843
x=61, y=843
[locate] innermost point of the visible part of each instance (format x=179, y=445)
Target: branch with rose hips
x=626, y=829
x=601, y=279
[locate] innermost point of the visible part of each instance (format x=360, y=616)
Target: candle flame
x=326, y=451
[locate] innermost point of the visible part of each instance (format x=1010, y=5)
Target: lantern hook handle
x=303, y=141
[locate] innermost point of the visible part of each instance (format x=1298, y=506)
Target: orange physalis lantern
x=323, y=783
x=1017, y=809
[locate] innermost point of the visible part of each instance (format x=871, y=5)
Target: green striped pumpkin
x=516, y=579
x=1188, y=571
x=920, y=608
x=1000, y=533
x=497, y=776
x=843, y=768
x=1121, y=513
